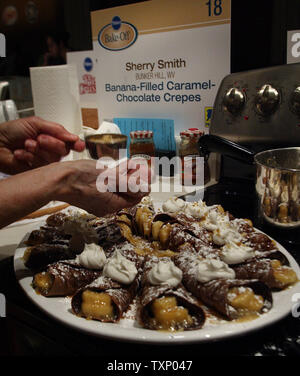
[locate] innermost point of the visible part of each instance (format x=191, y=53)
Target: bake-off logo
x=117, y=35
x=88, y=64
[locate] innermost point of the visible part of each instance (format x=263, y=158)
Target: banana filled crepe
x=165, y=303
x=275, y=273
x=174, y=262
x=108, y=297
x=63, y=278
x=215, y=284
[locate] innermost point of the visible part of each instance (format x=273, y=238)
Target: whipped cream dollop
x=209, y=269
x=165, y=273
x=120, y=269
x=173, y=205
x=92, y=257
x=226, y=233
x=197, y=210
x=233, y=253
x=214, y=219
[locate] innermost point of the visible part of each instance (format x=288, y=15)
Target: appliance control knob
x=234, y=101
x=267, y=100
x=295, y=101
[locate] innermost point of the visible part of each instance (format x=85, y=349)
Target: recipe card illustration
x=161, y=59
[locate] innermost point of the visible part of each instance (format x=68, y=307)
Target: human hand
x=34, y=142
x=101, y=190
x=78, y=183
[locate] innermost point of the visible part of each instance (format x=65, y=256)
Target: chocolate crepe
x=243, y=226
x=185, y=230
x=215, y=292
x=121, y=294
x=260, y=242
x=150, y=293
x=50, y=235
x=38, y=257
x=129, y=217
x=56, y=220
x=194, y=227
x=102, y=231
x=165, y=217
x=259, y=269
x=67, y=277
x=109, y=233
x=181, y=239
x=184, y=298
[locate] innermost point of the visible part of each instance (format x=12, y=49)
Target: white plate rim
x=59, y=309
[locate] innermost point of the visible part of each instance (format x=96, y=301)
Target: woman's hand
x=77, y=183
x=86, y=186
x=33, y=142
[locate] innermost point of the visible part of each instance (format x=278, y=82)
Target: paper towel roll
x=56, y=95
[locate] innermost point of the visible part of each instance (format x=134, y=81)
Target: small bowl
x=106, y=145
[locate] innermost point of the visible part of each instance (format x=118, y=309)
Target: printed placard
x=162, y=59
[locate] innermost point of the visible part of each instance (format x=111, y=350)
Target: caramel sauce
x=142, y=148
x=285, y=276
x=189, y=153
x=106, y=145
x=142, y=246
x=248, y=317
x=215, y=318
x=107, y=139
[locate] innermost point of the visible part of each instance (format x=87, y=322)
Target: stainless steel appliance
x=277, y=178
x=4, y=90
x=260, y=107
x=259, y=110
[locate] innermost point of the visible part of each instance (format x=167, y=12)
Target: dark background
x=258, y=38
